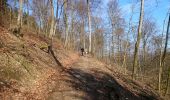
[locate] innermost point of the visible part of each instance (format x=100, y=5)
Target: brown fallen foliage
x=29, y=73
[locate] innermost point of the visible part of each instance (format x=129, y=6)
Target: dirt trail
x=88, y=79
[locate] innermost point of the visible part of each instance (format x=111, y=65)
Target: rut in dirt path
x=90, y=80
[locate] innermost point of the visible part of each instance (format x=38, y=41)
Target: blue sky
x=156, y=8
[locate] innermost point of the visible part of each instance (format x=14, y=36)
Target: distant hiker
x=82, y=51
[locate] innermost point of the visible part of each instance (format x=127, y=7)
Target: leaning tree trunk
x=160, y=64
x=89, y=26
x=138, y=40
x=163, y=56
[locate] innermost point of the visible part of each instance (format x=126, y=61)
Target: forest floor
x=29, y=72
x=89, y=79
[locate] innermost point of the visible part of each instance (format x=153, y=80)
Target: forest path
x=89, y=79
x=82, y=81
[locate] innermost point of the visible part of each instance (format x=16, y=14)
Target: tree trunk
x=125, y=54
x=144, y=56
x=160, y=64
x=138, y=40
x=57, y=19
x=27, y=4
x=163, y=56
x=66, y=23
x=89, y=26
x=124, y=65
x=52, y=25
x=168, y=82
x=52, y=19
x=71, y=37
x=113, y=46
x=84, y=40
x=19, y=20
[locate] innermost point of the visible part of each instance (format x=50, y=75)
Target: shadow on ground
x=97, y=85
x=101, y=86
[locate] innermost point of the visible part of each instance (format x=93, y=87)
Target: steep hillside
x=29, y=72
x=25, y=67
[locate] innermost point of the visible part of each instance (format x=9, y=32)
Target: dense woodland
x=139, y=49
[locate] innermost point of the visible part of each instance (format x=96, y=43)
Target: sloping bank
x=26, y=69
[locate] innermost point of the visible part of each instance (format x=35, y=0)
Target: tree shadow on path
x=102, y=86
x=98, y=85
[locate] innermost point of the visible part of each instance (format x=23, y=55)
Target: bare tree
x=115, y=21
x=20, y=13
x=138, y=40
x=52, y=19
x=163, y=55
x=148, y=30
x=66, y=22
x=40, y=10
x=89, y=25
x=127, y=41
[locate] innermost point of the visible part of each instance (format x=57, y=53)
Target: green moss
x=43, y=46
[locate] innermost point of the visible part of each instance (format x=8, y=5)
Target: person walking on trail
x=82, y=51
